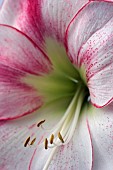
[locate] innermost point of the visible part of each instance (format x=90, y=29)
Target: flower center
x=64, y=130
x=64, y=82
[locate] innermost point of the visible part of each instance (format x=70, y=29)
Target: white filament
x=67, y=124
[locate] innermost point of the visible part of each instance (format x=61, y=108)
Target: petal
x=18, y=57
x=101, y=128
x=13, y=155
x=85, y=23
x=16, y=98
x=18, y=51
x=98, y=51
x=91, y=47
x=40, y=19
x=77, y=154
x=13, y=134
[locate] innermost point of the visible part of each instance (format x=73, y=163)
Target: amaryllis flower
x=56, y=85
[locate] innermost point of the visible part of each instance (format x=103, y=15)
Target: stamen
x=33, y=141
x=51, y=139
x=27, y=141
x=71, y=129
x=60, y=137
x=67, y=114
x=40, y=123
x=46, y=143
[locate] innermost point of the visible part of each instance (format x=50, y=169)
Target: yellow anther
x=41, y=122
x=33, y=141
x=27, y=141
x=51, y=139
x=46, y=143
x=60, y=137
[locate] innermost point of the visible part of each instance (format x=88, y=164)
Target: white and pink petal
x=86, y=22
x=40, y=19
x=16, y=98
x=97, y=56
x=90, y=46
x=101, y=129
x=19, y=57
x=20, y=52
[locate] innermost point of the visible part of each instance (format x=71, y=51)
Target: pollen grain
x=46, y=143
x=40, y=123
x=51, y=139
x=33, y=141
x=60, y=137
x=27, y=141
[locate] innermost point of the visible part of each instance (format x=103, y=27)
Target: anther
x=40, y=123
x=33, y=141
x=27, y=141
x=60, y=137
x=46, y=143
x=51, y=139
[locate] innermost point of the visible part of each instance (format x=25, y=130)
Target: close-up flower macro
x=56, y=85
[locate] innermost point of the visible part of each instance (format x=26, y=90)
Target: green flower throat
x=65, y=82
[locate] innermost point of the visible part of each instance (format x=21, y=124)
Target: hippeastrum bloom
x=56, y=85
